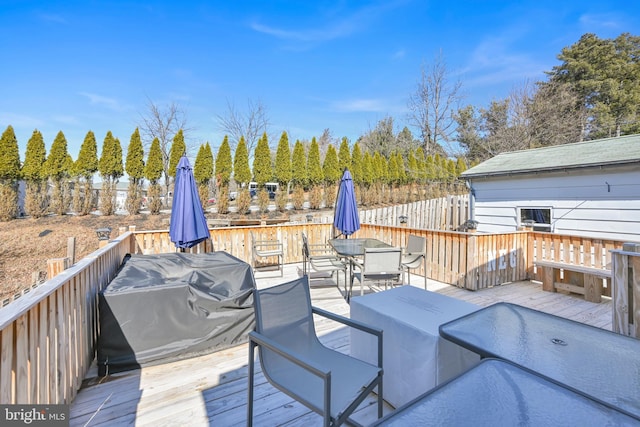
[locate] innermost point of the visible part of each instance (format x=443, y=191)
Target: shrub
x=315, y=197
x=243, y=201
x=298, y=198
x=263, y=200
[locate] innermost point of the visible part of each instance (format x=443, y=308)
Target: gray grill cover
x=167, y=307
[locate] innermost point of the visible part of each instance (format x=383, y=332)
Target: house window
x=539, y=217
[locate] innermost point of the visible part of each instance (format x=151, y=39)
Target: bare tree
x=162, y=122
x=251, y=124
x=433, y=105
x=325, y=140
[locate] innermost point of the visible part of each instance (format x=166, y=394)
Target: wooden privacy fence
x=445, y=213
x=626, y=289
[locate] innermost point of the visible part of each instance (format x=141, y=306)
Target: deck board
x=212, y=389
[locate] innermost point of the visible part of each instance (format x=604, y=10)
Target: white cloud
x=52, y=17
x=360, y=105
x=103, y=101
x=603, y=20
x=19, y=120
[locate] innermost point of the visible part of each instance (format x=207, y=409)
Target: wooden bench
x=578, y=279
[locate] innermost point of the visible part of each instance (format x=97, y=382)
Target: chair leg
x=250, y=391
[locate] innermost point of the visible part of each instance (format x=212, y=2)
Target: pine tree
x=153, y=172
x=283, y=161
x=344, y=155
x=178, y=148
x=314, y=167
x=330, y=167
x=223, y=163
x=262, y=169
x=134, y=166
x=298, y=165
x=203, y=171
x=241, y=168
x=56, y=167
x=331, y=172
x=9, y=174
x=110, y=168
x=36, y=201
x=85, y=167
x=356, y=164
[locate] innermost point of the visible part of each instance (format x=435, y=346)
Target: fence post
x=471, y=274
x=56, y=266
x=71, y=250
x=625, y=291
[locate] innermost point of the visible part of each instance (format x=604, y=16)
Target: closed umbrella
x=346, y=218
x=188, y=225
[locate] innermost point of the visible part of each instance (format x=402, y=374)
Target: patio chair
x=320, y=258
x=293, y=360
x=414, y=255
x=379, y=265
x=267, y=249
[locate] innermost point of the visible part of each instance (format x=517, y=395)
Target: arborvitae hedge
x=283, y=161
x=262, y=168
x=241, y=168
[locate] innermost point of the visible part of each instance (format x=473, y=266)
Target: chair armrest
x=292, y=356
x=354, y=324
x=349, y=322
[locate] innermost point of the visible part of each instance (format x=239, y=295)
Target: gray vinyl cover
x=167, y=307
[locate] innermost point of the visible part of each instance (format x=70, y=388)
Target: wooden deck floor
x=211, y=390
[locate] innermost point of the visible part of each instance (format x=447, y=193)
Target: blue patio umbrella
x=346, y=218
x=188, y=225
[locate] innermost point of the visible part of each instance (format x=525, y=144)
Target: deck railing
x=626, y=290
x=48, y=336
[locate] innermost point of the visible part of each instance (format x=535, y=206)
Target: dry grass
x=27, y=244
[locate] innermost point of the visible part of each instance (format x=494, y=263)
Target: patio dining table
x=351, y=249
x=586, y=359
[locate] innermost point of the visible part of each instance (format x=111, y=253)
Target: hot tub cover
x=167, y=307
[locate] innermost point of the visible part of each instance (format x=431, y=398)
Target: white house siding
x=595, y=202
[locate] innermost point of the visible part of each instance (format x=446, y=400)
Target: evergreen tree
x=283, y=161
x=85, y=167
x=9, y=174
x=241, y=168
x=110, y=168
x=36, y=201
x=223, y=163
x=367, y=169
x=330, y=167
x=57, y=168
x=356, y=164
x=420, y=165
x=134, y=166
x=298, y=165
x=262, y=169
x=605, y=75
x=344, y=155
x=332, y=174
x=153, y=172
x=178, y=148
x=314, y=167
x=203, y=171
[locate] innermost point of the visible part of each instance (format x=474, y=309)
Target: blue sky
x=77, y=66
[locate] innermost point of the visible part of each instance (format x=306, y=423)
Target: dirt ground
x=27, y=244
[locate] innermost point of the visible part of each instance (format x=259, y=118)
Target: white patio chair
x=266, y=249
x=414, y=255
x=294, y=361
x=321, y=258
x=379, y=265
